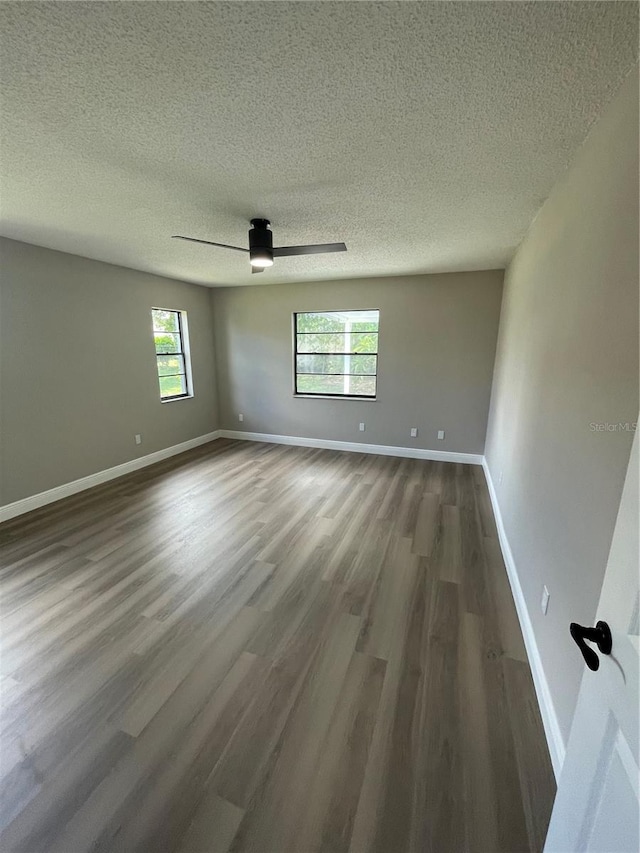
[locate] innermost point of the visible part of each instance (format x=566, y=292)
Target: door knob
x=600, y=635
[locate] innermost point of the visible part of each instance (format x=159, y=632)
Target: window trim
x=185, y=352
x=306, y=395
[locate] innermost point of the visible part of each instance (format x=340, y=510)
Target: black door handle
x=600, y=635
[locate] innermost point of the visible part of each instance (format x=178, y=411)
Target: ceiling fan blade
x=208, y=243
x=256, y=269
x=318, y=249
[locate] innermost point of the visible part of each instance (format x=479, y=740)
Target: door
x=597, y=804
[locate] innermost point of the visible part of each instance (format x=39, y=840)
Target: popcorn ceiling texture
x=424, y=135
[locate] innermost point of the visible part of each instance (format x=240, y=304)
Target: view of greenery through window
x=336, y=353
x=167, y=332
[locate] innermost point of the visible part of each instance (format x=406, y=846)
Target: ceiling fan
x=261, y=250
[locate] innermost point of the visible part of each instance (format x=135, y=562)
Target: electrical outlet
x=361, y=427
x=240, y=418
x=440, y=433
x=544, y=603
x=414, y=432
x=138, y=438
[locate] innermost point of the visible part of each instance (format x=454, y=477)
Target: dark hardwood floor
x=267, y=648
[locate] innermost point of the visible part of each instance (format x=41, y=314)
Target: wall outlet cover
x=138, y=438
x=361, y=427
x=440, y=433
x=414, y=432
x=544, y=602
x=240, y=418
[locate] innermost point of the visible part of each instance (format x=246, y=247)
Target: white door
x=597, y=804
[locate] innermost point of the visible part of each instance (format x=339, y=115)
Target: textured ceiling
x=424, y=135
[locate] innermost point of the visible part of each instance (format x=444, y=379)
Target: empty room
x=343, y=557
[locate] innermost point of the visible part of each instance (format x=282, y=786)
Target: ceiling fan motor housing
x=260, y=241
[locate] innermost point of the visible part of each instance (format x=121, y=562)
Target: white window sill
x=178, y=399
x=336, y=397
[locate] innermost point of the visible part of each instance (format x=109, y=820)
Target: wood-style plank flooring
x=253, y=647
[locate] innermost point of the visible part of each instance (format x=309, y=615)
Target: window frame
x=313, y=395
x=184, y=351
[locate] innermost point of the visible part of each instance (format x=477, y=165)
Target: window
x=336, y=353
x=172, y=353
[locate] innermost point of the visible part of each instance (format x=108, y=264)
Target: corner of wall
x=217, y=424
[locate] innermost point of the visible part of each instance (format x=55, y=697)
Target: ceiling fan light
x=261, y=258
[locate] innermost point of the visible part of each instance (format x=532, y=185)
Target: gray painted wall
x=77, y=368
x=436, y=354
x=568, y=357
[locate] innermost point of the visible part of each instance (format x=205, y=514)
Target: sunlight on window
x=336, y=353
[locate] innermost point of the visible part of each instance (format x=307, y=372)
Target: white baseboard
x=356, y=447
x=555, y=740
x=66, y=489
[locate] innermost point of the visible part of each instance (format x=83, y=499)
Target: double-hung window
x=336, y=353
x=172, y=353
